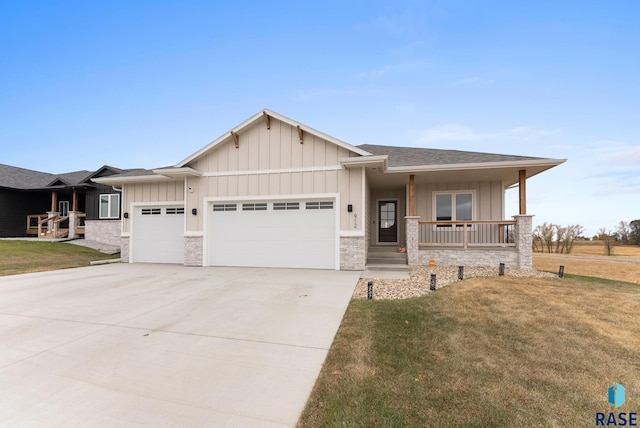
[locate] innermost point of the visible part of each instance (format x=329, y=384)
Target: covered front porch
x=450, y=219
x=63, y=220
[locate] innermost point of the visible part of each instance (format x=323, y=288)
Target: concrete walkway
x=165, y=346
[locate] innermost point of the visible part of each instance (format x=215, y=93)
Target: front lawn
x=32, y=256
x=483, y=352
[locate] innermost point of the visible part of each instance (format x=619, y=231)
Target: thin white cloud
x=614, y=152
x=468, y=81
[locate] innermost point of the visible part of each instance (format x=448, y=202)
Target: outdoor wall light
x=349, y=208
x=194, y=211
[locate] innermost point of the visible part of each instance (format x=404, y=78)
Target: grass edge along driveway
x=483, y=352
x=17, y=256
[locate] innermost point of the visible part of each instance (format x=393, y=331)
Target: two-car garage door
x=292, y=234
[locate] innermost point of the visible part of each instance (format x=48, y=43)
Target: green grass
x=18, y=257
x=484, y=352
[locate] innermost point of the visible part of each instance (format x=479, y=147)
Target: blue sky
x=147, y=83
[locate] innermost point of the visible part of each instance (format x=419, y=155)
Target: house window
x=110, y=206
x=454, y=206
x=63, y=208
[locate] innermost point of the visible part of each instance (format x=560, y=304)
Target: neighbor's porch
x=62, y=221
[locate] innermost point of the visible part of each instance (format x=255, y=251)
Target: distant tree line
x=625, y=233
x=554, y=238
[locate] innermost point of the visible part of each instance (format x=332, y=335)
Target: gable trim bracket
x=267, y=119
x=300, y=133
x=235, y=138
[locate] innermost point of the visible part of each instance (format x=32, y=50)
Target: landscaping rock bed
x=418, y=284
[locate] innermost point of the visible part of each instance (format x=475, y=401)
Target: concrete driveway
x=165, y=346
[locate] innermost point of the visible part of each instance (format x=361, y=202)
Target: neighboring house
x=275, y=193
x=69, y=205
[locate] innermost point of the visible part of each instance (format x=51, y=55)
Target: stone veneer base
x=193, y=249
x=104, y=231
x=470, y=257
x=353, y=252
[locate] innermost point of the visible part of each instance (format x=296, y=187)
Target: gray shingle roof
x=13, y=177
x=413, y=156
x=21, y=178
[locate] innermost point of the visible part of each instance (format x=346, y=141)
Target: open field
x=596, y=248
x=31, y=256
x=483, y=352
x=589, y=259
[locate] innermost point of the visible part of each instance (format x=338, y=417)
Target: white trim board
x=272, y=171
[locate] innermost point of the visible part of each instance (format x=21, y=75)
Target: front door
x=387, y=221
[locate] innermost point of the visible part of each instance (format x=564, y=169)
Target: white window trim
x=110, y=202
x=434, y=212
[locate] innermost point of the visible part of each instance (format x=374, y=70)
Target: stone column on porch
x=73, y=223
x=524, y=240
x=413, y=238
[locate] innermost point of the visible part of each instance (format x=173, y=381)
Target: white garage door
x=158, y=235
x=292, y=234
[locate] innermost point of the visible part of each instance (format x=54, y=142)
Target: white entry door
x=290, y=234
x=158, y=235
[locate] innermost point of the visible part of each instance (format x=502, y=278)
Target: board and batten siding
x=272, y=162
x=489, y=198
x=169, y=191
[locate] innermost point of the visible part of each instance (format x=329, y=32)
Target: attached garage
x=157, y=235
x=288, y=234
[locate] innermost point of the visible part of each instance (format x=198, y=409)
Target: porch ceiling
x=508, y=175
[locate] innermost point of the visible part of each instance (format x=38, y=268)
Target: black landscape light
x=432, y=286
x=561, y=271
x=460, y=273
x=370, y=290
x=501, y=269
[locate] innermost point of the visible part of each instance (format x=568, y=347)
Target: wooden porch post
x=412, y=195
x=522, y=187
x=54, y=201
x=74, y=203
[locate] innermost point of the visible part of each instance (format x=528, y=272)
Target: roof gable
x=104, y=171
x=57, y=182
x=265, y=116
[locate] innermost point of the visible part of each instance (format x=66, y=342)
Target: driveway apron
x=142, y=345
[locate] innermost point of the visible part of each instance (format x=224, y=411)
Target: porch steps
x=386, y=255
x=386, y=259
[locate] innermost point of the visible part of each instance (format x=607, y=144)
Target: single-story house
x=274, y=192
x=69, y=205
